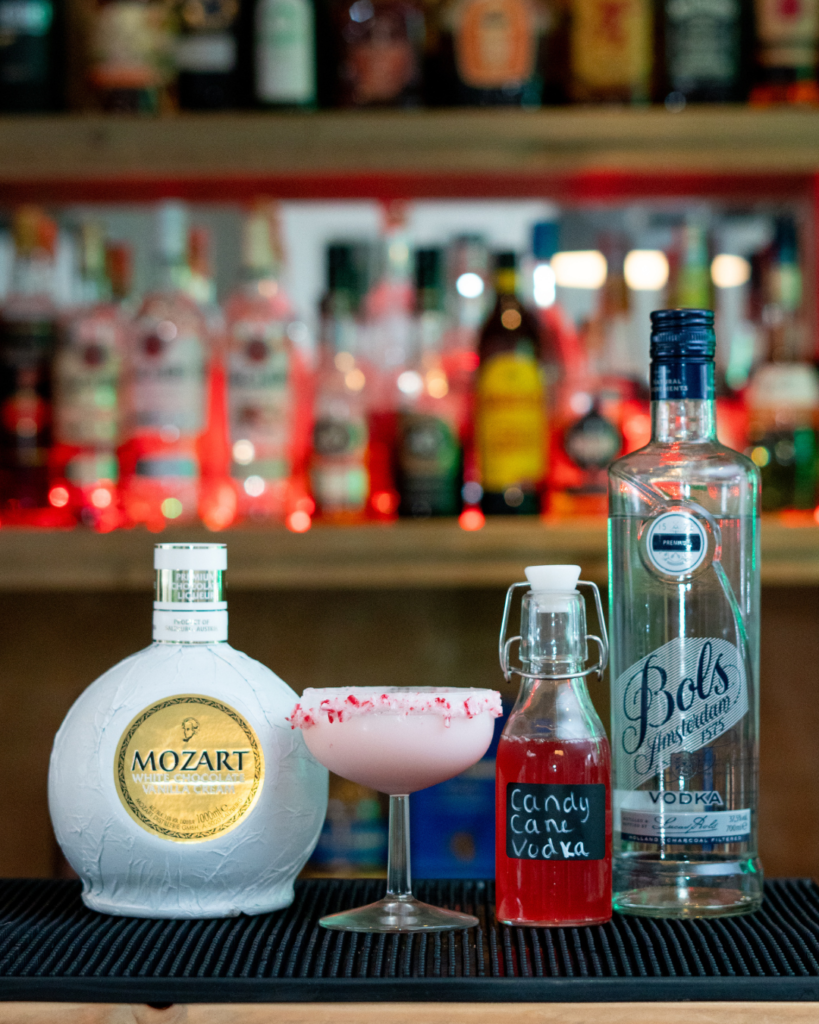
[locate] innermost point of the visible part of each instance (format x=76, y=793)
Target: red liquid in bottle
x=551, y=892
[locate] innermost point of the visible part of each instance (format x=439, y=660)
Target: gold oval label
x=189, y=768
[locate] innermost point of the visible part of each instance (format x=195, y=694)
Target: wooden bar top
x=414, y=1013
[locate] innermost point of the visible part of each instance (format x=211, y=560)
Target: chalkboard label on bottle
x=545, y=822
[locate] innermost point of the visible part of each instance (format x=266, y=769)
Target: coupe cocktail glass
x=397, y=740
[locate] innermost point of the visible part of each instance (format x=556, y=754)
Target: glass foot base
x=398, y=914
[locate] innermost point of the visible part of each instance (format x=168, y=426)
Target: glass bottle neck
x=506, y=281
x=682, y=401
x=555, y=709
x=95, y=288
x=173, y=275
x=33, y=275
x=683, y=420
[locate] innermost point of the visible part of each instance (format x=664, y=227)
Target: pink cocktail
x=397, y=740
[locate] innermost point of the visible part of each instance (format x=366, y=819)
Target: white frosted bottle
x=177, y=787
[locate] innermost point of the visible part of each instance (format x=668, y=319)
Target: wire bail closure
x=505, y=645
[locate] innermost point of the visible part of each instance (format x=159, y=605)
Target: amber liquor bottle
x=611, y=51
x=510, y=402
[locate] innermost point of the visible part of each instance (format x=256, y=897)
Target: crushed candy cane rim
x=336, y=704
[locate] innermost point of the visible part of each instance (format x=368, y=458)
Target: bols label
x=679, y=698
x=555, y=822
x=189, y=768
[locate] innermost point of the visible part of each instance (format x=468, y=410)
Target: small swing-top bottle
x=553, y=793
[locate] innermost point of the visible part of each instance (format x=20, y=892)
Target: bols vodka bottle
x=684, y=590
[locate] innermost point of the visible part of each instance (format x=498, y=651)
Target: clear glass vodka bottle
x=684, y=622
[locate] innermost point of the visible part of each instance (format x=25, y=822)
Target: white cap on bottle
x=190, y=556
x=552, y=585
x=189, y=605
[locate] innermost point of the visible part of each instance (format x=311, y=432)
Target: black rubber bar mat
x=53, y=948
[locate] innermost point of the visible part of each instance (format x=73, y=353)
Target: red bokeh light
x=471, y=519
x=58, y=497
x=298, y=522
x=385, y=502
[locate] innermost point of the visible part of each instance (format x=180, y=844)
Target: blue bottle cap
x=678, y=334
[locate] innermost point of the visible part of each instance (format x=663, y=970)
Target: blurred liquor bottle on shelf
x=611, y=51
x=217, y=495
x=590, y=398
x=510, y=402
x=32, y=44
x=353, y=840
x=702, y=51
x=496, y=53
x=787, y=33
x=165, y=388
x=130, y=55
x=206, y=54
x=119, y=271
x=283, y=53
x=430, y=419
x=340, y=462
x=561, y=349
x=468, y=300
x=200, y=281
x=469, y=291
x=783, y=397
x=268, y=379
x=27, y=343
x=84, y=469
x=379, y=52
x=389, y=316
x=691, y=285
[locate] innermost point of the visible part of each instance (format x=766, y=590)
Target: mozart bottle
x=176, y=787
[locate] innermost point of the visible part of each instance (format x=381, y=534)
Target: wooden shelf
x=308, y=153
x=424, y=554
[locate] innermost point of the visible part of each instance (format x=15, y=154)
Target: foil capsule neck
x=189, y=586
x=189, y=597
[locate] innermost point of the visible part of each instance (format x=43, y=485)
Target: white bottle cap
x=189, y=605
x=191, y=556
x=552, y=585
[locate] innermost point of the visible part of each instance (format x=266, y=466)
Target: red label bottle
x=553, y=782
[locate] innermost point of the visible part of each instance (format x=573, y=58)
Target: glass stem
x=398, y=856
